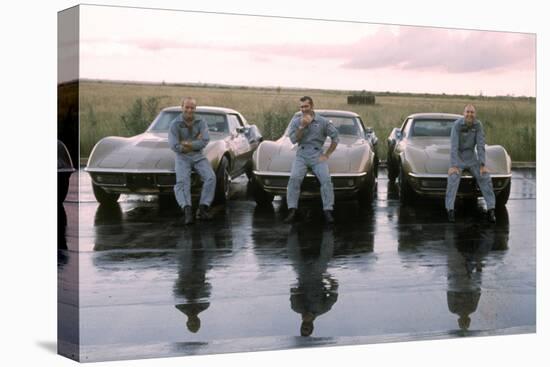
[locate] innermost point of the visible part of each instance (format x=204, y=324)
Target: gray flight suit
x=310, y=148
x=465, y=142
x=185, y=162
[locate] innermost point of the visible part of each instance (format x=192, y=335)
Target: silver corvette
x=144, y=164
x=419, y=158
x=352, y=166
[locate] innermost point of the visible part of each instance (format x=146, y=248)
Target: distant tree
x=140, y=115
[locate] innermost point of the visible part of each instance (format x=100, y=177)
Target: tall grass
x=103, y=106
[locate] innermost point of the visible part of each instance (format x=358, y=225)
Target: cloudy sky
x=176, y=46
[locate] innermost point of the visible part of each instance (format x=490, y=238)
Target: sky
x=177, y=46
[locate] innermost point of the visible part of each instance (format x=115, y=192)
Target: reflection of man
x=467, y=137
x=465, y=263
x=192, y=285
x=310, y=131
x=187, y=137
x=316, y=291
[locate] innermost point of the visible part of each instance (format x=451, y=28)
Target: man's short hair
x=191, y=99
x=308, y=99
x=468, y=106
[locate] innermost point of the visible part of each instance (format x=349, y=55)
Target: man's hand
x=306, y=120
x=453, y=170
x=323, y=157
x=483, y=170
x=186, y=147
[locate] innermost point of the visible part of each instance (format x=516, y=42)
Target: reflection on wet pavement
x=148, y=286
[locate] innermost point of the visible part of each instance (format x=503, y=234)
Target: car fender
x=105, y=147
x=497, y=159
x=264, y=154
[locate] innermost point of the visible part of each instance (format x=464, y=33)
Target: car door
x=402, y=141
x=239, y=144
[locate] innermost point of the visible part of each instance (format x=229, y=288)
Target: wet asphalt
x=147, y=286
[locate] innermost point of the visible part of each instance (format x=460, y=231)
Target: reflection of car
x=419, y=157
x=64, y=170
x=144, y=164
x=352, y=165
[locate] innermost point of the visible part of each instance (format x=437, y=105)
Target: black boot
x=329, y=219
x=188, y=214
x=291, y=217
x=491, y=216
x=203, y=213
x=451, y=216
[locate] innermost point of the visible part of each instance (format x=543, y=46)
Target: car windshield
x=216, y=122
x=345, y=125
x=432, y=127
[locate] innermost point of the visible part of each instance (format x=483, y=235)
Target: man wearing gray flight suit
x=310, y=131
x=467, y=137
x=187, y=137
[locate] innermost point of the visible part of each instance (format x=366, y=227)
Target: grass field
x=106, y=108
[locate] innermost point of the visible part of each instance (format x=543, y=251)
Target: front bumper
x=148, y=182
x=345, y=184
x=435, y=185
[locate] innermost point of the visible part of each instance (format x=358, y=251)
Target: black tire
x=104, y=197
x=262, y=197
x=62, y=186
x=502, y=197
x=406, y=193
x=223, y=182
x=248, y=171
x=366, y=193
x=393, y=169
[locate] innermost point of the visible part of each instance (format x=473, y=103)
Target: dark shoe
x=451, y=216
x=291, y=217
x=188, y=214
x=203, y=213
x=491, y=216
x=329, y=219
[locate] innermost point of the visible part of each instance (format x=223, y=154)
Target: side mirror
x=399, y=134
x=242, y=130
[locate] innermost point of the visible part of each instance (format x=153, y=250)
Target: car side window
x=240, y=119
x=407, y=127
x=233, y=123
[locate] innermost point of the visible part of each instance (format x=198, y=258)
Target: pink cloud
x=412, y=48
x=447, y=50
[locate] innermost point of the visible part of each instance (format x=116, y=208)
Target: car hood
x=433, y=156
x=147, y=151
x=340, y=161
x=430, y=155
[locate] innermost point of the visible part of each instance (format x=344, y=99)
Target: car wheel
x=502, y=197
x=366, y=193
x=406, y=194
x=104, y=197
x=62, y=186
x=393, y=170
x=261, y=196
x=223, y=182
x=248, y=171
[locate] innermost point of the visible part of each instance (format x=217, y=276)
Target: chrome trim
x=109, y=185
x=282, y=189
x=135, y=170
x=444, y=175
x=287, y=174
